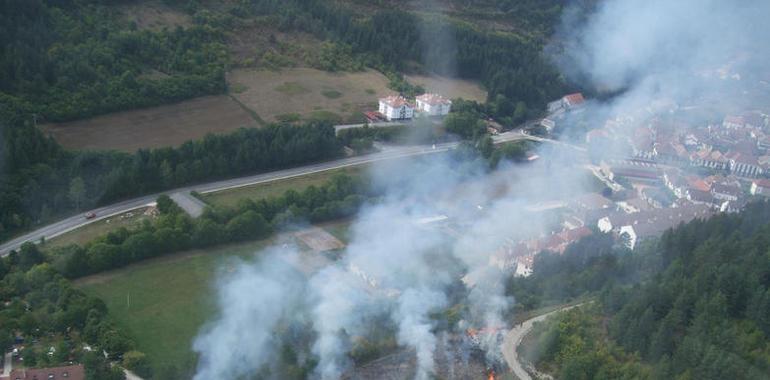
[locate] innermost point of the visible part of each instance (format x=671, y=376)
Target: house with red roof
x=396, y=108
x=566, y=103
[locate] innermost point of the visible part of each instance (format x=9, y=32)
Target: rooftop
x=574, y=99
x=395, y=101
x=72, y=372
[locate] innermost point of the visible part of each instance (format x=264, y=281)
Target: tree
x=77, y=191
x=30, y=255
x=137, y=362
x=166, y=205
x=465, y=125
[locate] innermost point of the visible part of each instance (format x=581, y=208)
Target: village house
x=433, y=105
x=726, y=191
x=396, y=108
x=743, y=164
x=669, y=217
x=708, y=158
x=566, y=103
x=760, y=187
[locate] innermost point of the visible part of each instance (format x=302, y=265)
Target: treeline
x=175, y=231
x=70, y=59
x=41, y=180
x=695, y=305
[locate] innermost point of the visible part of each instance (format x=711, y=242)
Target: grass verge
x=276, y=188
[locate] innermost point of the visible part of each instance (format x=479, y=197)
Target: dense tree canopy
x=694, y=305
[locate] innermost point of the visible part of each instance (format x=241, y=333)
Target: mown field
x=276, y=188
x=162, y=303
x=305, y=93
x=168, y=125
x=450, y=87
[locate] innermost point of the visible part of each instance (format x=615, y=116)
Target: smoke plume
x=252, y=301
x=644, y=58
x=666, y=50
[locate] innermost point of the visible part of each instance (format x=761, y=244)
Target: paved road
x=7, y=364
x=130, y=375
x=189, y=203
x=513, y=340
x=63, y=226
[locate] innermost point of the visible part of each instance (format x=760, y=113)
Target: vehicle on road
x=90, y=215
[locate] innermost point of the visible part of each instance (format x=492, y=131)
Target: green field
x=276, y=188
x=162, y=303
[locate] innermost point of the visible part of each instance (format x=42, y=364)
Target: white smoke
x=415, y=327
x=680, y=50
x=252, y=301
x=649, y=52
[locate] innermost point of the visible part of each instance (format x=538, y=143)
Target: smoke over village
x=401, y=189
x=445, y=232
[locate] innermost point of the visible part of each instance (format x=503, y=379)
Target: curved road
x=513, y=339
x=63, y=226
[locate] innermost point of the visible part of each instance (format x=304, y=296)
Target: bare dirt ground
x=454, y=359
x=319, y=240
x=168, y=125
x=305, y=91
x=154, y=15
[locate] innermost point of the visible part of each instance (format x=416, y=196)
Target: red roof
x=72, y=372
x=574, y=99
x=762, y=183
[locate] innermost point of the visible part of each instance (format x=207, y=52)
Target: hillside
x=694, y=305
x=69, y=60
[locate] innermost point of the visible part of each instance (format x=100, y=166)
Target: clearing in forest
x=153, y=127
x=308, y=93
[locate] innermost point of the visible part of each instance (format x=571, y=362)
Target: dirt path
x=513, y=340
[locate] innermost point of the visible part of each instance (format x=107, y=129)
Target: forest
x=66, y=59
x=693, y=305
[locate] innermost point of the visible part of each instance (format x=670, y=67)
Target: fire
x=491, y=375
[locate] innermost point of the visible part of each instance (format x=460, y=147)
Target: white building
x=566, y=103
x=760, y=187
x=396, y=108
x=433, y=104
